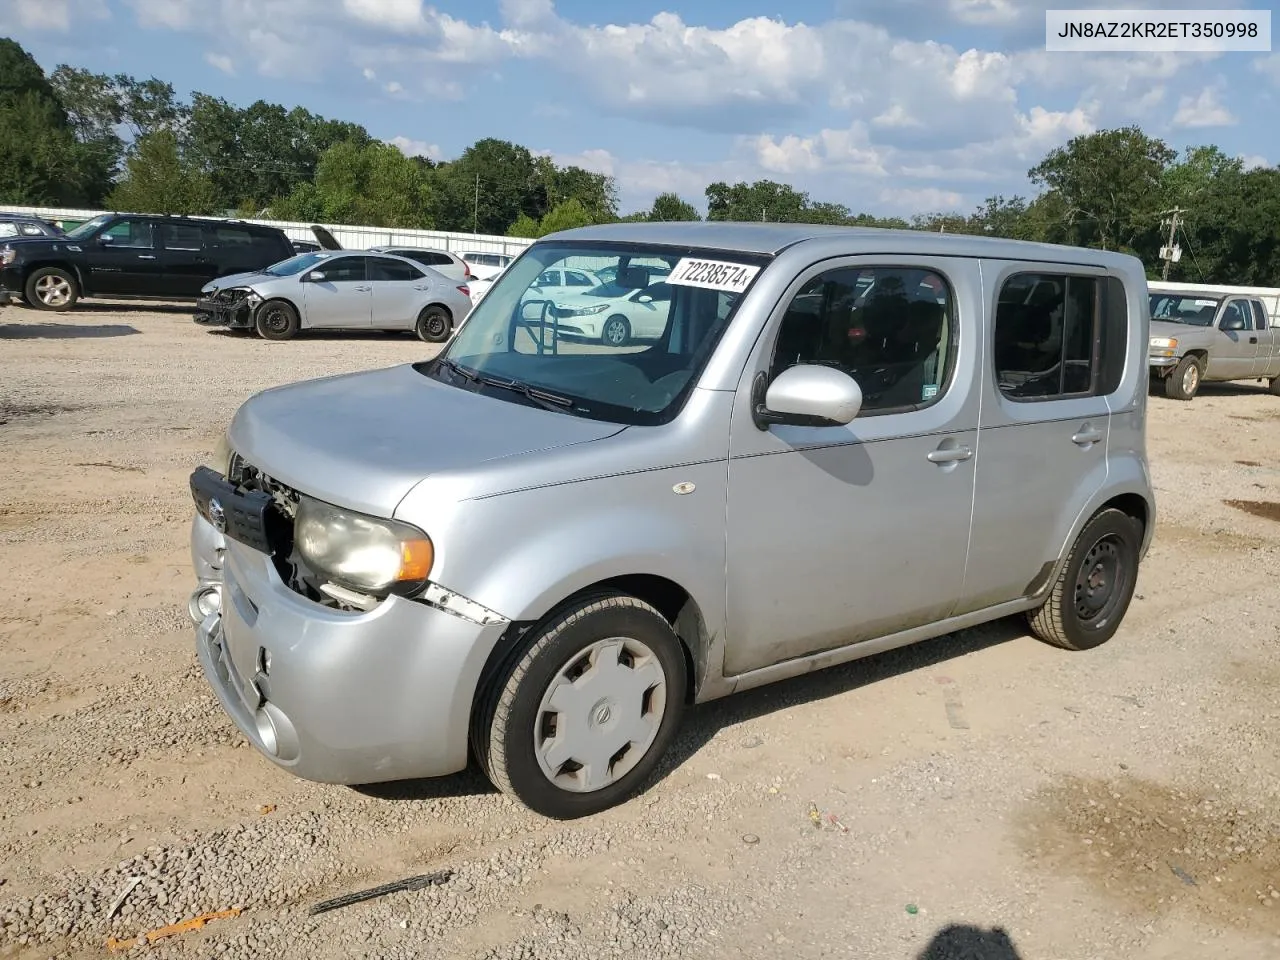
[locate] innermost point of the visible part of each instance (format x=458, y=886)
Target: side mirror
x=644, y=298
x=806, y=395
x=315, y=276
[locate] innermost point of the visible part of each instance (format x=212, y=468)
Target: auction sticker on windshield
x=712, y=274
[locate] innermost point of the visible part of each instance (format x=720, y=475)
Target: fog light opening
x=204, y=601
x=267, y=732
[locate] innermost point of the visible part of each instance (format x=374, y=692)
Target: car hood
x=1179, y=331
x=364, y=440
x=237, y=280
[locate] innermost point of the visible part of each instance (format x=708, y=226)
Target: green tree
x=1111, y=184
x=488, y=187
x=525, y=227
x=159, y=179
x=762, y=200
x=373, y=184
x=669, y=207
x=41, y=161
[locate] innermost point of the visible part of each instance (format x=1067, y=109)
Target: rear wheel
x=1095, y=587
x=277, y=320
x=434, y=325
x=1184, y=381
x=52, y=288
x=1274, y=387
x=582, y=717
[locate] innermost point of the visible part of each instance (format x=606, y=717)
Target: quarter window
x=890, y=328
x=1059, y=336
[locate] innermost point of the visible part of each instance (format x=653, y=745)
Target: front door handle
x=1253, y=339
x=1086, y=437
x=145, y=256
x=950, y=454
x=363, y=289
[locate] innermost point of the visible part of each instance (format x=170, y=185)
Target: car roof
x=382, y=248
x=773, y=238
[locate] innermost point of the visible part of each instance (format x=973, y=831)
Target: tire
x=601, y=642
x=1184, y=382
x=51, y=288
x=616, y=331
x=1274, y=387
x=434, y=325
x=1108, y=548
x=277, y=320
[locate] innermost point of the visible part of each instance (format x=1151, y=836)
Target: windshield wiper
x=543, y=398
x=458, y=370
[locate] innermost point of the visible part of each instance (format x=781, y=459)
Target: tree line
x=75, y=138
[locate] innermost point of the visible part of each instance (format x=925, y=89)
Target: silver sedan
x=337, y=290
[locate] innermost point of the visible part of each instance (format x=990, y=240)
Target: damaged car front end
x=233, y=307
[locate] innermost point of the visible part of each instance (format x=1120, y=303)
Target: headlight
x=581, y=311
x=1164, y=343
x=363, y=553
x=7, y=256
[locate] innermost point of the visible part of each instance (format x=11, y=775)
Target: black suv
x=132, y=255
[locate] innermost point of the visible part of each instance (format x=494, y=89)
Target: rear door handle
x=950, y=454
x=363, y=289
x=145, y=256
x=1086, y=437
x=1253, y=339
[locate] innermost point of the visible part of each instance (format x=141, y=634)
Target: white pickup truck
x=1201, y=332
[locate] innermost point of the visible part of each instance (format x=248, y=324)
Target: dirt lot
x=982, y=797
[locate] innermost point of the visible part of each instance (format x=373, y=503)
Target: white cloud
x=369, y=74
x=417, y=148
x=54, y=15
x=392, y=14
x=1205, y=110
x=1269, y=66
x=1251, y=161
x=393, y=87
x=919, y=200
x=221, y=62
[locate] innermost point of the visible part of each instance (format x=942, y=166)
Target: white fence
x=351, y=237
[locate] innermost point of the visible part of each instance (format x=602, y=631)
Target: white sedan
x=615, y=315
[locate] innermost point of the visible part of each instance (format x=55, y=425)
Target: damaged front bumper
x=338, y=696
x=235, y=309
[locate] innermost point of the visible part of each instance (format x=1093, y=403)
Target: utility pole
x=1169, y=254
x=475, y=211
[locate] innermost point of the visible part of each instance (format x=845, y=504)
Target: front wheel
x=1183, y=383
x=277, y=320
x=581, y=719
x=434, y=324
x=52, y=288
x=1095, y=587
x=616, y=331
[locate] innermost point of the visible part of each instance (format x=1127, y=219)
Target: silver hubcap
x=53, y=291
x=600, y=715
x=1191, y=378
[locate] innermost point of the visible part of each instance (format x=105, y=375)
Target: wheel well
x=447, y=312
x=284, y=300
x=1132, y=504
x=60, y=264
x=1198, y=354
x=666, y=596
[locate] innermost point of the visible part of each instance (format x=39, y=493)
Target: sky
x=890, y=107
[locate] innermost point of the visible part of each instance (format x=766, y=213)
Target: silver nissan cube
x=749, y=452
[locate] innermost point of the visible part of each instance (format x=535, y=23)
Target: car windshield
x=87, y=228
x=630, y=358
x=1176, y=308
x=295, y=265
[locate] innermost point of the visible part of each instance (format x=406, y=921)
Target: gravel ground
x=980, y=797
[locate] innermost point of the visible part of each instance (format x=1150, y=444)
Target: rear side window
x=8, y=229
x=1059, y=336
x=382, y=268
x=1259, y=315
x=181, y=236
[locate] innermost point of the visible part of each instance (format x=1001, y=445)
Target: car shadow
x=704, y=722
x=1230, y=388
x=960, y=941
x=132, y=306
x=63, y=331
